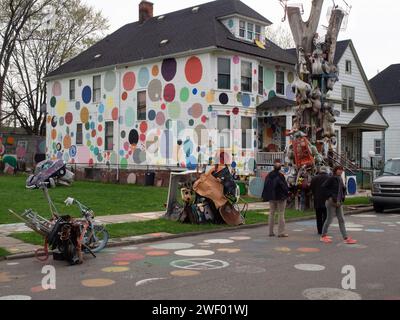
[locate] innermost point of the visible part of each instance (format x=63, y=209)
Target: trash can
x=150, y=178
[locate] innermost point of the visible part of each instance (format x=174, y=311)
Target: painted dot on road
x=13, y=263
x=240, y=238
x=172, y=246
x=354, y=225
x=16, y=297
x=309, y=267
x=219, y=241
x=121, y=263
x=330, y=294
x=199, y=264
x=283, y=249
x=354, y=229
x=364, y=216
x=38, y=289
x=130, y=248
x=185, y=273
x=375, y=230
x=194, y=253
x=309, y=250
x=128, y=257
x=97, y=283
x=158, y=253
x=115, y=269
x=354, y=246
x=228, y=250
x=298, y=230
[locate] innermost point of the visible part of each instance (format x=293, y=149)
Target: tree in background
x=280, y=36
x=69, y=28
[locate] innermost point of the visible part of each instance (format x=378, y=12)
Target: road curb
x=121, y=243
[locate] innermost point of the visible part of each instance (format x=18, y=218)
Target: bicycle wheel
x=96, y=238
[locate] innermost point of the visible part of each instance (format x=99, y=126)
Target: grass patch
x=357, y=201
x=4, y=252
x=123, y=230
x=104, y=199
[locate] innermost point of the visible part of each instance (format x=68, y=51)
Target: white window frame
x=107, y=135
x=96, y=90
x=276, y=82
x=230, y=73
x=79, y=143
x=248, y=30
x=72, y=90
x=346, y=99
x=380, y=146
x=251, y=76
x=260, y=80
x=247, y=139
x=224, y=133
x=349, y=70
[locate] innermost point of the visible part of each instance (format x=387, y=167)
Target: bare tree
x=76, y=27
x=14, y=15
x=280, y=36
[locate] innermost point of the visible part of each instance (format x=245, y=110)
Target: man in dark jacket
x=276, y=192
x=335, y=193
x=319, y=197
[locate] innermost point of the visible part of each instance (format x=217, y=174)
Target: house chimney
x=145, y=11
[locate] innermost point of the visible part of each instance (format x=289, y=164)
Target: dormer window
x=242, y=29
x=249, y=31
x=258, y=33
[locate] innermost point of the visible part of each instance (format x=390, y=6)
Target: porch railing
x=268, y=158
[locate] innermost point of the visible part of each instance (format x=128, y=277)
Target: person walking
x=320, y=197
x=276, y=192
x=335, y=193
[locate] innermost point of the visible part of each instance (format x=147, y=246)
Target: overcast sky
x=373, y=25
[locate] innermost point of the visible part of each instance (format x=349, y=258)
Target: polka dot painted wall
x=181, y=102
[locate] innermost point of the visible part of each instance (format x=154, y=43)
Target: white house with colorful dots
x=171, y=91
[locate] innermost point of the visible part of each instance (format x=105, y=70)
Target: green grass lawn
x=163, y=225
x=104, y=199
x=357, y=200
x=3, y=252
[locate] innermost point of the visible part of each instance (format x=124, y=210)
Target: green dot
x=184, y=94
x=53, y=102
x=191, y=122
x=124, y=163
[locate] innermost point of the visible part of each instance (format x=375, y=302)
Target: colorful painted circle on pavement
x=219, y=241
x=172, y=246
x=184, y=273
x=16, y=297
x=199, y=264
x=229, y=250
x=117, y=269
x=157, y=253
x=330, y=294
x=97, y=283
x=308, y=250
x=240, y=238
x=309, y=267
x=375, y=230
x=194, y=253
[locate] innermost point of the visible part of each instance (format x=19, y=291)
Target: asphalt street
x=243, y=264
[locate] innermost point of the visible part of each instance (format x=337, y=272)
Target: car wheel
x=378, y=208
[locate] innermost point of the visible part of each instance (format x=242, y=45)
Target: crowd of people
x=329, y=193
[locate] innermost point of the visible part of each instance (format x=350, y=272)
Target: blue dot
x=194, y=91
x=101, y=108
x=86, y=94
x=152, y=115
x=246, y=101
x=234, y=165
x=121, y=153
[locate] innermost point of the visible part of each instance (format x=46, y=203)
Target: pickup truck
x=386, y=188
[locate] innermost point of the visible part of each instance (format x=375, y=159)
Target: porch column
x=289, y=127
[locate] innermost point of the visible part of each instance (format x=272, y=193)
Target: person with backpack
x=335, y=192
x=276, y=192
x=319, y=197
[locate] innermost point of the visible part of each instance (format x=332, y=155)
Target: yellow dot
x=185, y=273
x=283, y=249
x=115, y=269
x=110, y=102
x=97, y=283
x=61, y=108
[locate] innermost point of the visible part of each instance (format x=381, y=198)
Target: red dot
x=142, y=137
x=193, y=70
x=68, y=118
x=124, y=96
x=169, y=92
x=100, y=127
x=93, y=133
x=114, y=114
x=228, y=112
x=91, y=162
x=235, y=111
x=204, y=119
x=129, y=81
x=99, y=142
x=143, y=126
x=163, y=106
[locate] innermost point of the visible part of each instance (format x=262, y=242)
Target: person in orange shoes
x=335, y=192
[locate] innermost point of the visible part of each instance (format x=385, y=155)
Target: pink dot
x=236, y=59
x=163, y=106
x=126, y=146
x=143, y=137
x=204, y=119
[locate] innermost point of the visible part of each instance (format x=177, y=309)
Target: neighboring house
x=360, y=116
x=386, y=86
x=206, y=67
x=26, y=149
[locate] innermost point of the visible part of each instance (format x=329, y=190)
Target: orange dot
x=308, y=250
x=48, y=119
x=84, y=115
x=157, y=253
x=67, y=142
x=53, y=134
x=155, y=70
x=193, y=70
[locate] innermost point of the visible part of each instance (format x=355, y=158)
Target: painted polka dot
x=228, y=250
x=174, y=110
x=172, y=246
x=169, y=92
x=155, y=71
x=246, y=101
x=309, y=267
x=219, y=241
x=290, y=77
x=210, y=96
x=38, y=289
x=158, y=253
x=193, y=70
x=364, y=216
x=168, y=69
x=84, y=115
x=375, y=230
x=86, y=94
x=160, y=118
x=144, y=77
x=124, y=96
x=152, y=115
x=330, y=294
x=114, y=114
x=194, y=253
x=184, y=95
x=236, y=59
x=308, y=250
x=240, y=238
x=185, y=273
x=115, y=269
x=283, y=249
x=110, y=81
x=121, y=263
x=97, y=283
x=155, y=90
x=57, y=89
x=128, y=257
x=196, y=110
x=129, y=81
x=223, y=98
x=16, y=297
x=53, y=102
x=133, y=137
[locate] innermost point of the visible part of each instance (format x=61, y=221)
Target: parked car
x=386, y=188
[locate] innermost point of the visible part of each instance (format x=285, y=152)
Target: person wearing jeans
x=319, y=197
x=335, y=191
x=276, y=192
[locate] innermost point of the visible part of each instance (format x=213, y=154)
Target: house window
x=348, y=66
x=260, y=80
x=348, y=94
x=96, y=89
x=79, y=134
x=246, y=76
x=378, y=147
x=141, y=105
x=72, y=89
x=280, y=82
x=224, y=73
x=246, y=133
x=250, y=31
x=258, y=32
x=109, y=136
x=242, y=29
x=224, y=131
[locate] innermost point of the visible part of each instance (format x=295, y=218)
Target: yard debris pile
x=52, y=172
x=211, y=197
